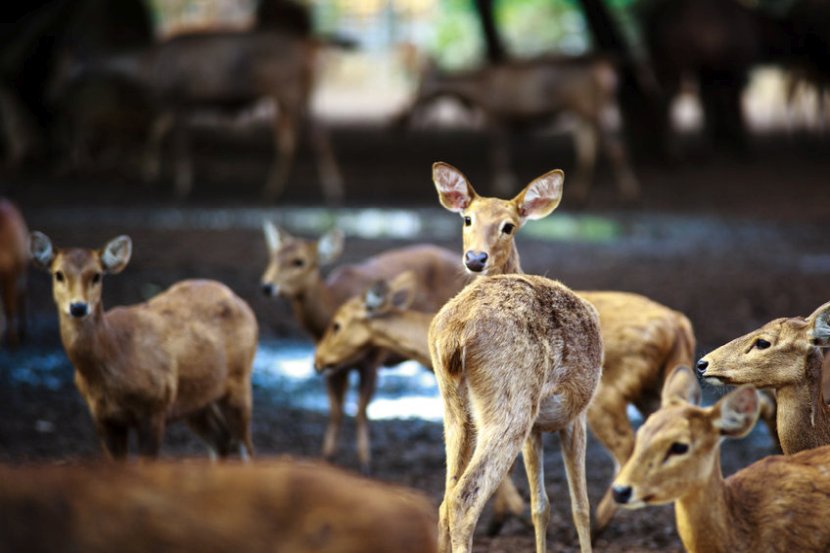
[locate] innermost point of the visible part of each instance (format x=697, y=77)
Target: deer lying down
x=14, y=258
x=262, y=507
x=186, y=353
x=785, y=355
x=780, y=503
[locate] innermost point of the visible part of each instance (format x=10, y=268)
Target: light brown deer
x=643, y=340
x=515, y=356
x=293, y=272
x=14, y=260
x=165, y=507
x=780, y=503
x=382, y=318
x=186, y=353
x=785, y=355
x=521, y=93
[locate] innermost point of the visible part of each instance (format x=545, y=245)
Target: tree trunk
x=492, y=41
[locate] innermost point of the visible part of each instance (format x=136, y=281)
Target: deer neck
x=803, y=416
x=404, y=333
x=88, y=343
x=512, y=264
x=704, y=516
x=314, y=306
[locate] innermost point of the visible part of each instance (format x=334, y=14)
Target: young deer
x=515, y=356
x=166, y=507
x=14, y=258
x=779, y=503
x=517, y=94
x=643, y=340
x=186, y=353
x=786, y=355
x=382, y=318
x=293, y=272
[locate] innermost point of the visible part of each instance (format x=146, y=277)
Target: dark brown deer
x=14, y=260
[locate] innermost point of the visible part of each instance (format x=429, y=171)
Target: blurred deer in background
x=643, y=340
x=780, y=503
x=165, y=507
x=515, y=356
x=14, y=260
x=186, y=353
x=785, y=355
x=533, y=93
x=293, y=272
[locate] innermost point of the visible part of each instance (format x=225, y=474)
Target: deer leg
x=368, y=382
x=504, y=180
x=285, y=137
x=152, y=156
x=573, y=439
x=330, y=176
x=627, y=184
x=336, y=389
x=539, y=503
x=114, y=438
x=585, y=143
x=150, y=435
x=209, y=425
x=236, y=408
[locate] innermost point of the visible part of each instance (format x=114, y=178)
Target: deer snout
x=78, y=309
x=269, y=289
x=622, y=494
x=475, y=261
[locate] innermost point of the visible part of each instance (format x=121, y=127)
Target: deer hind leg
x=236, y=410
x=368, y=381
x=336, y=390
x=285, y=138
x=539, y=503
x=210, y=425
x=573, y=439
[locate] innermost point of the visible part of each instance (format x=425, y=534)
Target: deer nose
x=268, y=289
x=475, y=261
x=702, y=364
x=78, y=309
x=622, y=494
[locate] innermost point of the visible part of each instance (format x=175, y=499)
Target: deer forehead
x=678, y=423
x=488, y=210
x=76, y=261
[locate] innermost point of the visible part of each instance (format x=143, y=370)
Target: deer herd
x=514, y=356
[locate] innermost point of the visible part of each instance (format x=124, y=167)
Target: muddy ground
x=732, y=242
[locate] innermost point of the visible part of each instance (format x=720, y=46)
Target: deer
x=514, y=356
x=170, y=507
x=643, y=340
x=293, y=273
x=14, y=260
x=779, y=503
x=530, y=92
x=785, y=355
x=186, y=353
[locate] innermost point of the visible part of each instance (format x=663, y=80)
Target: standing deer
x=523, y=93
x=780, y=503
x=515, y=356
x=186, y=353
x=293, y=272
x=166, y=507
x=14, y=258
x=643, y=340
x=786, y=355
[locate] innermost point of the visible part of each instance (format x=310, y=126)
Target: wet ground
x=731, y=242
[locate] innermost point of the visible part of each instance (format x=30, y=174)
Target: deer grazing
x=14, y=259
x=779, y=503
x=785, y=355
x=642, y=339
x=293, y=272
x=167, y=507
x=522, y=93
x=186, y=353
x=515, y=356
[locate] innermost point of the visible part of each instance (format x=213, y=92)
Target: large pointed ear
x=540, y=197
x=737, y=412
x=681, y=386
x=454, y=190
x=384, y=296
x=40, y=247
x=274, y=236
x=820, y=321
x=330, y=246
x=116, y=254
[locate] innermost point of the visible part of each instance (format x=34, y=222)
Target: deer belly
x=553, y=416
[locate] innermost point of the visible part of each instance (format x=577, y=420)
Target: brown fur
x=294, y=273
x=791, y=365
x=643, y=340
x=515, y=356
x=779, y=503
x=14, y=258
x=186, y=353
x=164, y=507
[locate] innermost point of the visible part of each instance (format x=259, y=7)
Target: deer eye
x=335, y=328
x=468, y=221
x=508, y=228
x=298, y=262
x=96, y=278
x=677, y=448
x=59, y=276
x=760, y=343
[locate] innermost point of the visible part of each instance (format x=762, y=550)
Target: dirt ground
x=732, y=242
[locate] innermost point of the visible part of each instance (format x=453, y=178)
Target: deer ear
x=737, y=412
x=374, y=300
x=402, y=290
x=41, y=250
x=330, y=246
x=820, y=321
x=540, y=197
x=274, y=236
x=680, y=386
x=454, y=190
x=116, y=254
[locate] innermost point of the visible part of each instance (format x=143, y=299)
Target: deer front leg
x=539, y=503
x=114, y=438
x=150, y=435
x=336, y=390
x=368, y=381
x=573, y=452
